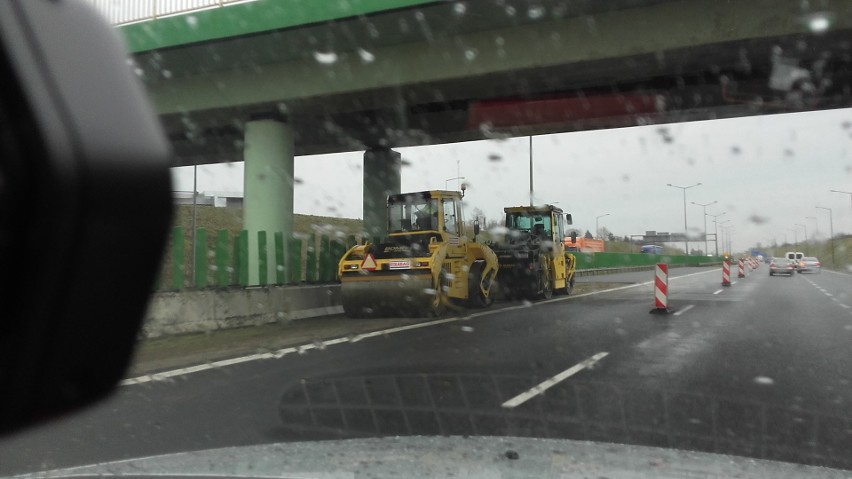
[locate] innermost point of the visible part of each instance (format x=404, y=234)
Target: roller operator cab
x=533, y=260
x=426, y=262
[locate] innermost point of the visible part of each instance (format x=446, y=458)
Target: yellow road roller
x=427, y=262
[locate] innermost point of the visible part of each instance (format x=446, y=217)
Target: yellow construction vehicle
x=426, y=263
x=532, y=256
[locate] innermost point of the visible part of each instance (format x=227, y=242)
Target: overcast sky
x=767, y=173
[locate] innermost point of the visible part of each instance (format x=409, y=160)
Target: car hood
x=443, y=457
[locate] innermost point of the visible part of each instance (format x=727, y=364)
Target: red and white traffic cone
x=726, y=272
x=741, y=269
x=661, y=290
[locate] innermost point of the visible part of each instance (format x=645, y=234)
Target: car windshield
x=313, y=140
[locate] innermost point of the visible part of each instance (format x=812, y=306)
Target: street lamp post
x=597, y=229
x=724, y=235
x=716, y=231
x=816, y=224
x=685, y=236
x=729, y=237
x=806, y=233
x=705, y=221
x=843, y=192
x=831, y=231
x=795, y=238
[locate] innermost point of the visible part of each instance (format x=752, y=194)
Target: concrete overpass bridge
x=265, y=81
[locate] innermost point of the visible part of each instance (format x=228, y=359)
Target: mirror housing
x=475, y=228
x=85, y=202
x=568, y=219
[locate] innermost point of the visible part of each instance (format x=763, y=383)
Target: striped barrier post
x=741, y=269
x=726, y=272
x=661, y=289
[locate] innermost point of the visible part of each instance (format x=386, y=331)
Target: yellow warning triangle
x=369, y=263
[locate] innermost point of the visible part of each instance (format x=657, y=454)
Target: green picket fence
x=222, y=260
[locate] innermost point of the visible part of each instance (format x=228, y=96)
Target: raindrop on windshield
x=459, y=8
x=166, y=73
x=192, y=21
x=494, y=157
x=366, y=56
x=326, y=58
x=510, y=11
x=470, y=54
x=535, y=12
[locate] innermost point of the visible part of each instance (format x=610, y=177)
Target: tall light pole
x=724, y=235
x=816, y=224
x=831, y=231
x=728, y=237
x=806, y=233
x=843, y=192
x=795, y=238
x=598, y=230
x=531, y=172
x=716, y=231
x=685, y=235
x=705, y=220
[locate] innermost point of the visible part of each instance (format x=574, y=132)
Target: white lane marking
x=544, y=386
x=733, y=282
x=717, y=292
x=828, y=294
x=844, y=306
x=162, y=376
x=684, y=309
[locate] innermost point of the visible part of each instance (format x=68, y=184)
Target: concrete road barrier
x=181, y=312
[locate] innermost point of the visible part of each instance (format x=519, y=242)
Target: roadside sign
x=369, y=263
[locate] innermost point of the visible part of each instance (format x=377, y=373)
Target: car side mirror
x=573, y=237
x=85, y=202
x=568, y=219
x=475, y=228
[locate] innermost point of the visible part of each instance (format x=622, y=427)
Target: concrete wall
x=207, y=310
x=211, y=309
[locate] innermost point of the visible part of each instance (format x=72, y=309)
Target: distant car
x=810, y=264
x=782, y=266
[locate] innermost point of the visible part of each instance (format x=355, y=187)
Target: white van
x=795, y=256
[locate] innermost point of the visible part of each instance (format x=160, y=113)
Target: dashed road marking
x=544, y=386
x=684, y=309
x=717, y=292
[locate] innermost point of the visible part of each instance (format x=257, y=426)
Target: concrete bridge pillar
x=382, y=177
x=268, y=187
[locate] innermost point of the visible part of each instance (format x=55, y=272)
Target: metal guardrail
x=131, y=11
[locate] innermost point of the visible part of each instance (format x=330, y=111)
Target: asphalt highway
x=761, y=369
